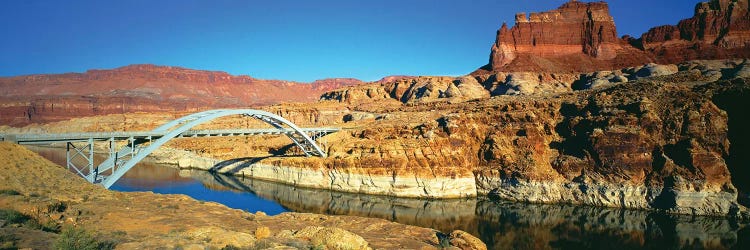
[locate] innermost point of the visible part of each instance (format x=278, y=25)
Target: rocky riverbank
x=508, y=225
x=42, y=203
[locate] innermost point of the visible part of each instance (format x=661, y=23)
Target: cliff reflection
x=507, y=225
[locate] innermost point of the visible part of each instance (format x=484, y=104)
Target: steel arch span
x=123, y=160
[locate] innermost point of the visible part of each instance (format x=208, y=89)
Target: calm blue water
x=166, y=180
x=234, y=199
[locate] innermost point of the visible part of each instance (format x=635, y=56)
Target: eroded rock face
x=612, y=148
x=526, y=83
x=410, y=90
x=648, y=144
x=581, y=37
x=576, y=37
x=718, y=29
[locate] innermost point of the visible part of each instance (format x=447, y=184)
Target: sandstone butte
x=582, y=37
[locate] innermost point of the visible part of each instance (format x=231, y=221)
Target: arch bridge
x=80, y=146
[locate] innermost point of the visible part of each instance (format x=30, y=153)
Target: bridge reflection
x=508, y=225
x=148, y=175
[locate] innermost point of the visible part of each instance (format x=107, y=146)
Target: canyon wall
x=582, y=37
x=652, y=143
x=659, y=143
x=718, y=29
x=576, y=37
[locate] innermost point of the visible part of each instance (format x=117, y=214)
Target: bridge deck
x=68, y=137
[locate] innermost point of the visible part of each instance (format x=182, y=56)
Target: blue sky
x=300, y=40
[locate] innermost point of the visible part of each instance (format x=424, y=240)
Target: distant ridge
x=144, y=88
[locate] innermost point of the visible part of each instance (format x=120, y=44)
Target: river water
x=500, y=224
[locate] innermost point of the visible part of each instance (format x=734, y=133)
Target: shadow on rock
x=233, y=166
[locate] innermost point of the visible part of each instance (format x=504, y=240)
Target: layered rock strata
x=144, y=88
x=644, y=144
x=576, y=37
x=649, y=144
x=582, y=37
x=718, y=29
x=417, y=89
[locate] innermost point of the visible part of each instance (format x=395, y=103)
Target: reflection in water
x=145, y=176
x=509, y=225
x=167, y=180
x=500, y=224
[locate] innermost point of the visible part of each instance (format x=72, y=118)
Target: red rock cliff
x=575, y=37
x=718, y=29
x=581, y=37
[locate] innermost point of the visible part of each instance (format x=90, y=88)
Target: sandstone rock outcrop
x=333, y=238
x=651, y=70
x=576, y=37
x=144, y=88
x=466, y=241
x=525, y=83
x=718, y=29
x=410, y=90
x=647, y=144
x=581, y=37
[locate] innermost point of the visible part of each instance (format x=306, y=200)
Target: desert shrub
x=231, y=247
x=9, y=192
x=7, y=241
x=443, y=240
x=79, y=239
x=262, y=244
x=57, y=207
x=47, y=226
x=13, y=216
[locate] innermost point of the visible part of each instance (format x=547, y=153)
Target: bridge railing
x=101, y=136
